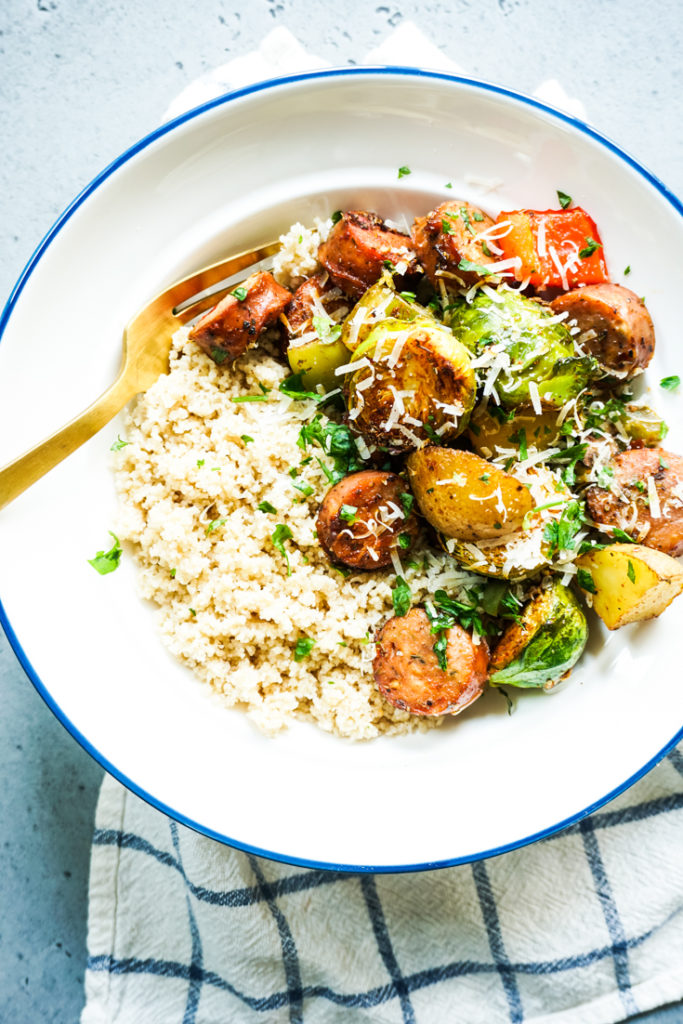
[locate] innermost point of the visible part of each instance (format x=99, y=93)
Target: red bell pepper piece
x=557, y=248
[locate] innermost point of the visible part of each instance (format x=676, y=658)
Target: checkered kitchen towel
x=582, y=928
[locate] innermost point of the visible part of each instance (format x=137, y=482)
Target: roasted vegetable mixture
x=475, y=383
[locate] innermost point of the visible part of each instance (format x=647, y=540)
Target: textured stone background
x=79, y=82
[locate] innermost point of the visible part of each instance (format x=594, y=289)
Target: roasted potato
x=525, y=552
x=464, y=496
x=544, y=645
x=379, y=302
x=414, y=381
x=629, y=582
x=491, y=427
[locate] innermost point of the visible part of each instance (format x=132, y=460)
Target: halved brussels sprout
x=463, y=496
x=317, y=360
x=525, y=552
x=544, y=645
x=643, y=424
x=491, y=427
x=414, y=383
x=379, y=302
x=540, y=350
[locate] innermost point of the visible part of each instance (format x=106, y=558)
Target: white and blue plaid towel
x=581, y=928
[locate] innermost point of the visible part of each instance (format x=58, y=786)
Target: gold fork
x=146, y=347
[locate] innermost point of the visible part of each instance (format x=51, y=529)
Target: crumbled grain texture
x=298, y=257
x=229, y=605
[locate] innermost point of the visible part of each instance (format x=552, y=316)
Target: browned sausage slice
x=615, y=326
x=231, y=327
x=628, y=505
x=317, y=296
x=407, y=670
x=362, y=517
x=357, y=248
x=448, y=235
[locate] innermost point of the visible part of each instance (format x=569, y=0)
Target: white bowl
x=227, y=175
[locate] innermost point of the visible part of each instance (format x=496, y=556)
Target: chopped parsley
x=404, y=541
x=475, y=268
x=107, y=561
x=263, y=397
x=486, y=251
x=239, y=293
x=280, y=534
x=440, y=647
x=563, y=199
x=591, y=246
x=215, y=523
x=478, y=215
x=118, y=444
x=631, y=572
x=200, y=463
x=519, y=438
x=559, y=533
x=218, y=355
x=172, y=573
x=193, y=612
x=303, y=647
x=246, y=438
x=485, y=477
x=348, y=513
x=584, y=577
x=449, y=184
x=571, y=455
x=303, y=487
x=407, y=500
x=670, y=383
x=621, y=535
x=408, y=296
x=336, y=440
x=403, y=171
x=293, y=387
x=401, y=595
x=464, y=213
x=336, y=216
x=326, y=329
x=627, y=270
x=388, y=265
x=605, y=475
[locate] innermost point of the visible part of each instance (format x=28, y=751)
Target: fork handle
x=20, y=474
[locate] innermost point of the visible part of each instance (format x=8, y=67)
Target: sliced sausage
x=407, y=670
x=357, y=249
x=447, y=236
x=626, y=504
x=317, y=296
x=362, y=517
x=231, y=327
x=615, y=326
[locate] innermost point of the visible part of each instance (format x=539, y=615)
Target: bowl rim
x=99, y=179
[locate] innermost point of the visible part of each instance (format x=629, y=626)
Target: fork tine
x=180, y=293
x=203, y=300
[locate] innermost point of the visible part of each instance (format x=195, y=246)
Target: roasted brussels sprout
x=414, y=382
x=544, y=645
x=378, y=303
x=524, y=553
x=632, y=420
x=539, y=350
x=491, y=427
x=463, y=496
x=317, y=359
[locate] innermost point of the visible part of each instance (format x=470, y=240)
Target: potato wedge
x=465, y=497
x=486, y=431
x=632, y=583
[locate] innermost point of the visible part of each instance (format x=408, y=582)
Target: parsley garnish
x=559, y=533
x=446, y=227
x=403, y=171
x=404, y=541
x=302, y=486
x=486, y=251
x=326, y=329
x=407, y=500
x=464, y=213
x=475, y=268
x=303, y=647
x=571, y=455
x=348, y=513
x=200, y=463
x=449, y=184
x=585, y=580
x=280, y=534
x=293, y=387
x=670, y=383
x=401, y=595
x=620, y=535
x=118, y=444
x=218, y=355
x=485, y=477
x=520, y=438
x=215, y=523
x=389, y=265
x=605, y=476
x=439, y=648
x=172, y=574
x=591, y=246
x=246, y=438
x=408, y=296
x=239, y=293
x=263, y=397
x=107, y=561
x=336, y=216
x=478, y=215
x=631, y=572
x=563, y=199
x=627, y=270
x=336, y=440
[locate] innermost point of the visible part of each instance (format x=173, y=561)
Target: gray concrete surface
x=80, y=81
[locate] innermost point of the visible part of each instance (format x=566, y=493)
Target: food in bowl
x=398, y=469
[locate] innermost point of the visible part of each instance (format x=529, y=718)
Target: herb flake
x=106, y=561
